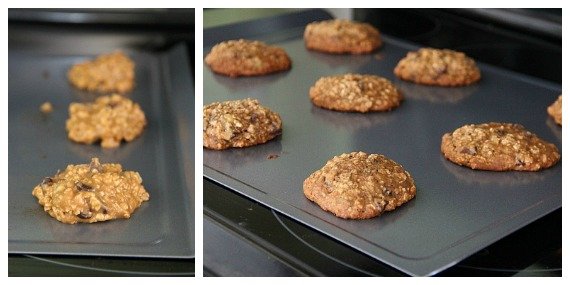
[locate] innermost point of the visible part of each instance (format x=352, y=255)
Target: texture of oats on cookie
x=358, y=185
x=355, y=93
x=247, y=58
x=440, y=67
x=110, y=119
x=89, y=193
x=342, y=36
x=498, y=147
x=239, y=123
x=555, y=110
x=108, y=73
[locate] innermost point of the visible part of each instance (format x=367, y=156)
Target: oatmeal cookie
x=89, y=193
x=440, y=67
x=555, y=110
x=247, y=58
x=109, y=119
x=355, y=93
x=113, y=72
x=342, y=36
x=498, y=147
x=239, y=123
x=359, y=185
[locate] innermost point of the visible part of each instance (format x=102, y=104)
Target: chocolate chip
x=83, y=215
x=48, y=181
x=112, y=105
x=105, y=212
x=469, y=150
x=83, y=187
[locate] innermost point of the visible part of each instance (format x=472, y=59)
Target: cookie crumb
x=46, y=108
x=273, y=156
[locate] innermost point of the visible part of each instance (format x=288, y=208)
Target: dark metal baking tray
x=456, y=212
x=38, y=146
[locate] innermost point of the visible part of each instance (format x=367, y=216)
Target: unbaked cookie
x=359, y=185
x=247, y=58
x=498, y=147
x=440, y=67
x=355, y=93
x=89, y=193
x=555, y=110
x=108, y=73
x=110, y=119
x=239, y=123
x=342, y=36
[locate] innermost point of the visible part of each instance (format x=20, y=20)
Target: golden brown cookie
x=342, y=36
x=498, y=147
x=359, y=185
x=113, y=72
x=239, y=123
x=89, y=193
x=247, y=58
x=555, y=110
x=355, y=93
x=110, y=119
x=440, y=67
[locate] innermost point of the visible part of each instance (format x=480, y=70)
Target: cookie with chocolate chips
x=555, y=110
x=113, y=72
x=498, y=147
x=110, y=119
x=441, y=67
x=355, y=93
x=358, y=185
x=239, y=123
x=247, y=58
x=342, y=36
x=89, y=193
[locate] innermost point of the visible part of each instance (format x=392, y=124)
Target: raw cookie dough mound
x=239, y=123
x=342, y=36
x=555, y=110
x=89, y=193
x=113, y=72
x=355, y=93
x=247, y=58
x=110, y=119
x=498, y=147
x=440, y=67
x=359, y=185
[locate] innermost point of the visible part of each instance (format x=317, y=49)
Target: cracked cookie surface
x=555, y=110
x=247, y=58
x=89, y=193
x=342, y=36
x=113, y=72
x=359, y=186
x=110, y=119
x=440, y=67
x=498, y=147
x=355, y=93
x=239, y=123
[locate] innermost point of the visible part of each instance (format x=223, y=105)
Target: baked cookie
x=355, y=93
x=359, y=185
x=109, y=119
x=555, y=110
x=440, y=67
x=89, y=193
x=113, y=72
x=498, y=147
x=239, y=123
x=247, y=58
x=342, y=36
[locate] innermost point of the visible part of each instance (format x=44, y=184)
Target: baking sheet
x=38, y=146
x=457, y=211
